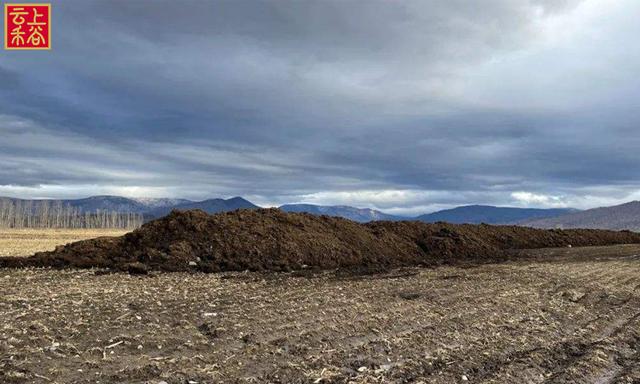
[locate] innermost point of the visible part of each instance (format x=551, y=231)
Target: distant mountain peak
x=623, y=216
x=237, y=198
x=210, y=206
x=159, y=202
x=617, y=217
x=352, y=213
x=476, y=214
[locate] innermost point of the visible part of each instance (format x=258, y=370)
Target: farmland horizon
x=177, y=199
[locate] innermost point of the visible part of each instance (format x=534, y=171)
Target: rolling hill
x=209, y=206
x=475, y=214
x=104, y=203
x=624, y=216
x=361, y=215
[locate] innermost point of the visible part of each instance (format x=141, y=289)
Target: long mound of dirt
x=269, y=239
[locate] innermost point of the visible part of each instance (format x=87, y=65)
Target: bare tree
x=53, y=214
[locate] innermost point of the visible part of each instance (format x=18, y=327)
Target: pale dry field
x=25, y=242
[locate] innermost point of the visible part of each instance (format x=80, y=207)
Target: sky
x=407, y=107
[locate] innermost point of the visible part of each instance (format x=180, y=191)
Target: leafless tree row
x=53, y=214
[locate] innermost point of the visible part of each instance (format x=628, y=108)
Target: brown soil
x=571, y=316
x=269, y=239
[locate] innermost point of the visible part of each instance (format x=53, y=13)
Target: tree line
x=55, y=214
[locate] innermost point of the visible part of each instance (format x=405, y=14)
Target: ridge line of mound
x=270, y=239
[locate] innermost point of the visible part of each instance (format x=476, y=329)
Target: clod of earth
x=269, y=239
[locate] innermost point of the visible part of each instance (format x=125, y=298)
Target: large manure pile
x=269, y=239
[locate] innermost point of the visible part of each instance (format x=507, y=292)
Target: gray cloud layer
x=406, y=106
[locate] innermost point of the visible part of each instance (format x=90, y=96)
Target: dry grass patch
x=25, y=242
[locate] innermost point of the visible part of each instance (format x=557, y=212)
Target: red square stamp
x=27, y=26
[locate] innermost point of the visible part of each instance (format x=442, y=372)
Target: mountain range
x=361, y=215
x=157, y=207
x=625, y=216
x=106, y=203
x=476, y=214
x=209, y=206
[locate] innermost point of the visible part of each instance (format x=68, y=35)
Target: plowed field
x=563, y=316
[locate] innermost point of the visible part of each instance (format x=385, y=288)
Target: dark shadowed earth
x=272, y=240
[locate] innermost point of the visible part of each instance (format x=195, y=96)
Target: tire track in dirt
x=560, y=321
x=567, y=355
x=615, y=336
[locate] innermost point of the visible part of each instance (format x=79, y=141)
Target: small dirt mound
x=269, y=239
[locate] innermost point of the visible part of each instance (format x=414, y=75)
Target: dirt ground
x=272, y=240
x=23, y=242
x=569, y=316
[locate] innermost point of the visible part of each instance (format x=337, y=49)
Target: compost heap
x=269, y=239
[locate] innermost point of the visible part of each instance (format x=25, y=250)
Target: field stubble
x=569, y=316
x=25, y=242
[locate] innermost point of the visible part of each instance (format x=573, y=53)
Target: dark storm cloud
x=404, y=106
